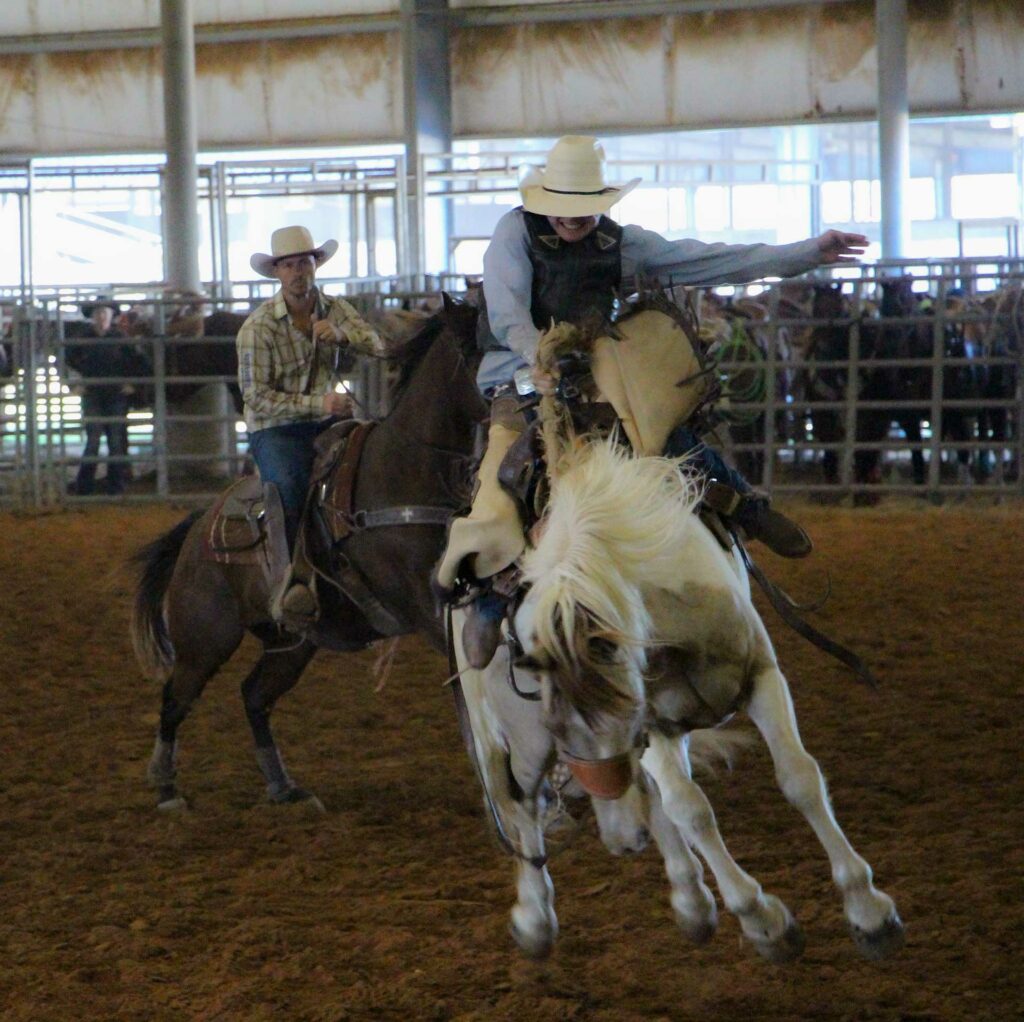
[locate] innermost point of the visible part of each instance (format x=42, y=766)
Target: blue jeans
x=284, y=455
x=683, y=440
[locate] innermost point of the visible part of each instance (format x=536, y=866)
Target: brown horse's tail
x=150, y=639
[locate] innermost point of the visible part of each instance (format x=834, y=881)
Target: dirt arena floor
x=393, y=905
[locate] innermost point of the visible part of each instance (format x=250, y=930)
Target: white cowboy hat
x=573, y=182
x=291, y=241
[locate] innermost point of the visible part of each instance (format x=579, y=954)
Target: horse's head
x=829, y=302
x=898, y=296
x=614, y=527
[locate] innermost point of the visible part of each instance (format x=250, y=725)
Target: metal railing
x=183, y=450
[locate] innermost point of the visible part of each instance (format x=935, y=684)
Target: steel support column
x=893, y=124
x=180, y=193
x=426, y=82
x=181, y=253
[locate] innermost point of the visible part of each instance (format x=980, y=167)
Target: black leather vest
x=572, y=280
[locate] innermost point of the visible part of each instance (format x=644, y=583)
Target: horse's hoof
x=535, y=946
x=786, y=948
x=298, y=796
x=697, y=931
x=885, y=941
x=172, y=805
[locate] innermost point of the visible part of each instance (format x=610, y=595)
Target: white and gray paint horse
x=639, y=629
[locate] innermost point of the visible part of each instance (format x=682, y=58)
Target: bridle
x=607, y=777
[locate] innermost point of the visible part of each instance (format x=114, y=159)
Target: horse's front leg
x=277, y=672
x=513, y=753
x=765, y=920
x=692, y=901
x=871, y=913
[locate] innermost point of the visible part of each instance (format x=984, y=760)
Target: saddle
x=247, y=529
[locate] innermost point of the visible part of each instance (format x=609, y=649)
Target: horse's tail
x=710, y=749
x=150, y=639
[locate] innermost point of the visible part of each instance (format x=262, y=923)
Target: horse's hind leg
x=871, y=913
x=276, y=673
x=765, y=920
x=197, y=659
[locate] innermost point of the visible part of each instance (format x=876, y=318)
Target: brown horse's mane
x=407, y=356
x=456, y=317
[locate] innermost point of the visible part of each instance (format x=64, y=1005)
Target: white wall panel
x=658, y=72
x=327, y=91
x=36, y=17
x=727, y=69
x=299, y=92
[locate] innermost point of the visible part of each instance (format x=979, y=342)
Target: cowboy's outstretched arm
x=696, y=263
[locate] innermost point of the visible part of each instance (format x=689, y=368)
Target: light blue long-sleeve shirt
x=508, y=279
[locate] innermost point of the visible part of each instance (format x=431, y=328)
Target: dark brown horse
x=191, y=613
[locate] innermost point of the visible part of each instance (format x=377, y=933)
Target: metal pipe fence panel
x=849, y=403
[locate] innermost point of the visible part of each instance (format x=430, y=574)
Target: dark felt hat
x=100, y=302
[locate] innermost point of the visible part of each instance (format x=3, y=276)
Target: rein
x=787, y=610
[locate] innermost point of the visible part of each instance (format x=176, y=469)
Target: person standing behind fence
x=290, y=352
x=104, y=405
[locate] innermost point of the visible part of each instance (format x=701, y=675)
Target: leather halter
x=606, y=778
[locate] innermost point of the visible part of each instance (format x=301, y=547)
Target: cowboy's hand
x=840, y=247
x=543, y=382
x=326, y=331
x=337, y=404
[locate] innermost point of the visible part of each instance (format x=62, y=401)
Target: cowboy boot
x=488, y=539
x=491, y=536
x=754, y=515
x=295, y=605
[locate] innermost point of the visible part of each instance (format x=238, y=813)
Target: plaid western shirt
x=283, y=374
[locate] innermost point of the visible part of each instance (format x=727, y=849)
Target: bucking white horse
x=639, y=631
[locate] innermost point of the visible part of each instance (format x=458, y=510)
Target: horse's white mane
x=614, y=523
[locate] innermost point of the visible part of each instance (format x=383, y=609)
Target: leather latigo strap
x=340, y=485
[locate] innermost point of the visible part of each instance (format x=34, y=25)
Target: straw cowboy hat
x=573, y=182
x=291, y=241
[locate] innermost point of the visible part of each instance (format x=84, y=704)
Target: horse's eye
x=603, y=650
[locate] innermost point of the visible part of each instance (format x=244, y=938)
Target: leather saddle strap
x=784, y=607
x=409, y=514
x=341, y=489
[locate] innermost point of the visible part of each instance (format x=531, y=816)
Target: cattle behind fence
x=828, y=388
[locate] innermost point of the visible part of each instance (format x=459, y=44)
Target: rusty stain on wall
x=17, y=78
x=479, y=53
x=842, y=46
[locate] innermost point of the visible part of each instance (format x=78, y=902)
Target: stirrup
x=297, y=608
